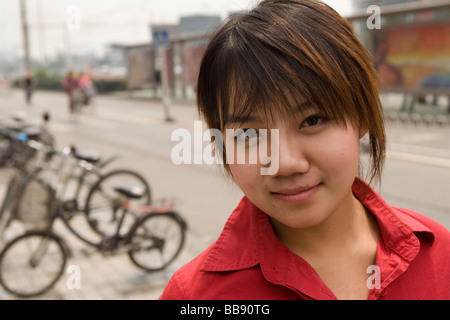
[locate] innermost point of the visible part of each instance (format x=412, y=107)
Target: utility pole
x=161, y=42
x=40, y=17
x=23, y=14
x=165, y=83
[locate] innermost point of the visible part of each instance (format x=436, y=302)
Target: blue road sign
x=161, y=38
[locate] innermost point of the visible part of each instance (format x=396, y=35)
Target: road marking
x=94, y=122
x=128, y=118
x=414, y=149
x=418, y=158
x=425, y=137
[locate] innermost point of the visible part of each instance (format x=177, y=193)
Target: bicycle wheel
x=32, y=263
x=103, y=203
x=156, y=240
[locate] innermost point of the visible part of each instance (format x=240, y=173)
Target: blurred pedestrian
x=70, y=84
x=87, y=87
x=29, y=83
x=290, y=76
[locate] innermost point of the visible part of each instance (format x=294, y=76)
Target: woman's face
x=317, y=164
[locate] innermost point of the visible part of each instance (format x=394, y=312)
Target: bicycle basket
x=34, y=207
x=5, y=150
x=21, y=155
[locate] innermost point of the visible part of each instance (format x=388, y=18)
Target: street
x=416, y=176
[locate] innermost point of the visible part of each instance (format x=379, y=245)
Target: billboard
x=414, y=57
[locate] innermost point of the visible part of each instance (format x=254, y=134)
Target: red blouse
x=249, y=262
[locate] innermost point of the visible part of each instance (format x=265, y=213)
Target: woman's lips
x=297, y=195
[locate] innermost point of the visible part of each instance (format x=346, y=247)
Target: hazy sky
x=101, y=22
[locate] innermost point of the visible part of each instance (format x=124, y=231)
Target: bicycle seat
x=133, y=193
x=88, y=157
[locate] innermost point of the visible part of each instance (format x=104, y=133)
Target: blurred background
x=141, y=58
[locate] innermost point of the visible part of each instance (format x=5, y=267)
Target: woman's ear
x=362, y=131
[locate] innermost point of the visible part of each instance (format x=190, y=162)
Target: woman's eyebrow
x=305, y=105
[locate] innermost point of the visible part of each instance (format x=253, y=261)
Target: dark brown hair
x=283, y=52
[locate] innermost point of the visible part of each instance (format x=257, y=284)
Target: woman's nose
x=292, y=157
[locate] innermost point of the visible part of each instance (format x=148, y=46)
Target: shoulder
x=225, y=264
x=195, y=281
x=430, y=270
x=433, y=236
x=419, y=222
x=183, y=280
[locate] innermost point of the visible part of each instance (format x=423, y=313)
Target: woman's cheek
x=341, y=153
x=247, y=176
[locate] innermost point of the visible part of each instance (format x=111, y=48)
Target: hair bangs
x=256, y=78
x=252, y=73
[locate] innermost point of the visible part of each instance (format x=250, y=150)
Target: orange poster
x=415, y=57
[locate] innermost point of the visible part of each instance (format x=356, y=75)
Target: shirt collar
x=248, y=238
x=237, y=246
x=399, y=231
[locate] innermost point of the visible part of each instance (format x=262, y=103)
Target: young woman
x=314, y=229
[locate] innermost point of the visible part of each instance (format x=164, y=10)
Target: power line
x=90, y=25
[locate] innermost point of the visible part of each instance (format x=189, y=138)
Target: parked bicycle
x=85, y=187
x=32, y=263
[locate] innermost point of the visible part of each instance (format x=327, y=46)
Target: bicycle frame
x=106, y=244
x=164, y=209
x=86, y=168
x=112, y=243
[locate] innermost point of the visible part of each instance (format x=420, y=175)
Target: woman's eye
x=314, y=121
